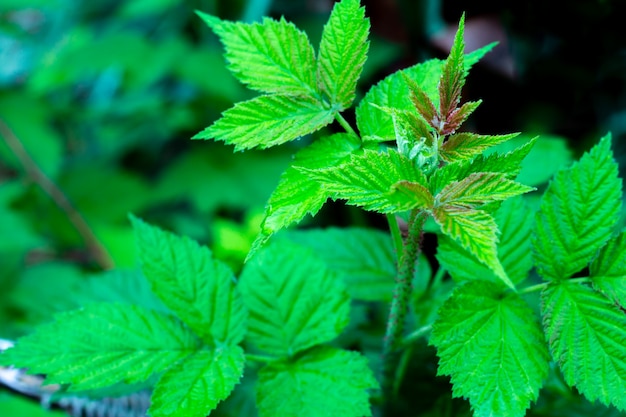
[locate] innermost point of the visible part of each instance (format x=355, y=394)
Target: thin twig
x=95, y=248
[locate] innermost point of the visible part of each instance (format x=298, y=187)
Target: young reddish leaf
x=453, y=75
x=480, y=188
x=423, y=103
x=476, y=231
x=458, y=116
x=468, y=145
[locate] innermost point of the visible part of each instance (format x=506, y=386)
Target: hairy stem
x=400, y=301
x=95, y=248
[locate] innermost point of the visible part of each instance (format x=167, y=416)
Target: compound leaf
x=343, y=51
x=577, y=214
x=294, y=300
x=272, y=56
x=296, y=194
x=465, y=145
x=608, y=270
x=483, y=333
x=476, y=231
x=480, y=188
x=514, y=248
x=194, y=285
x=194, y=386
x=586, y=334
x=267, y=121
x=393, y=91
x=102, y=344
x=453, y=74
x=323, y=382
x=368, y=180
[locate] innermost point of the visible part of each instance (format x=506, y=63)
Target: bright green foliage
x=194, y=386
x=476, y=231
x=268, y=121
x=294, y=300
x=514, y=248
x=368, y=179
x=453, y=74
x=464, y=145
x=296, y=194
x=586, y=334
x=323, y=382
x=577, y=214
x=276, y=49
x=608, y=270
x=493, y=349
x=363, y=258
x=479, y=188
x=198, y=288
x=102, y=344
x=343, y=51
x=393, y=92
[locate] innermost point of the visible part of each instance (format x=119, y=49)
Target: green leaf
x=480, y=188
x=509, y=164
x=323, y=382
x=466, y=145
x=577, y=214
x=586, y=334
x=272, y=56
x=296, y=194
x=514, y=248
x=393, y=91
x=194, y=386
x=459, y=115
x=423, y=104
x=267, y=121
x=368, y=180
x=453, y=75
x=194, y=285
x=483, y=334
x=294, y=300
x=103, y=344
x=343, y=51
x=608, y=270
x=363, y=258
x=476, y=231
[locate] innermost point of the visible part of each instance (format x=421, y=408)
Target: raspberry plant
x=408, y=159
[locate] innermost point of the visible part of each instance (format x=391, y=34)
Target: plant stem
x=396, y=235
x=417, y=334
x=95, y=248
x=539, y=287
x=400, y=301
x=344, y=123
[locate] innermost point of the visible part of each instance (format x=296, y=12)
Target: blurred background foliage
x=98, y=100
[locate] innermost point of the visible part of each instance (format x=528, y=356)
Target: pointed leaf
x=476, y=231
x=608, y=270
x=394, y=92
x=480, y=188
x=103, y=344
x=323, y=382
x=367, y=180
x=453, y=74
x=193, y=387
x=514, y=248
x=509, y=164
x=423, y=104
x=577, y=213
x=267, y=121
x=483, y=334
x=296, y=194
x=276, y=49
x=464, y=145
x=343, y=51
x=586, y=334
x=294, y=300
x=417, y=192
x=458, y=116
x=194, y=285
